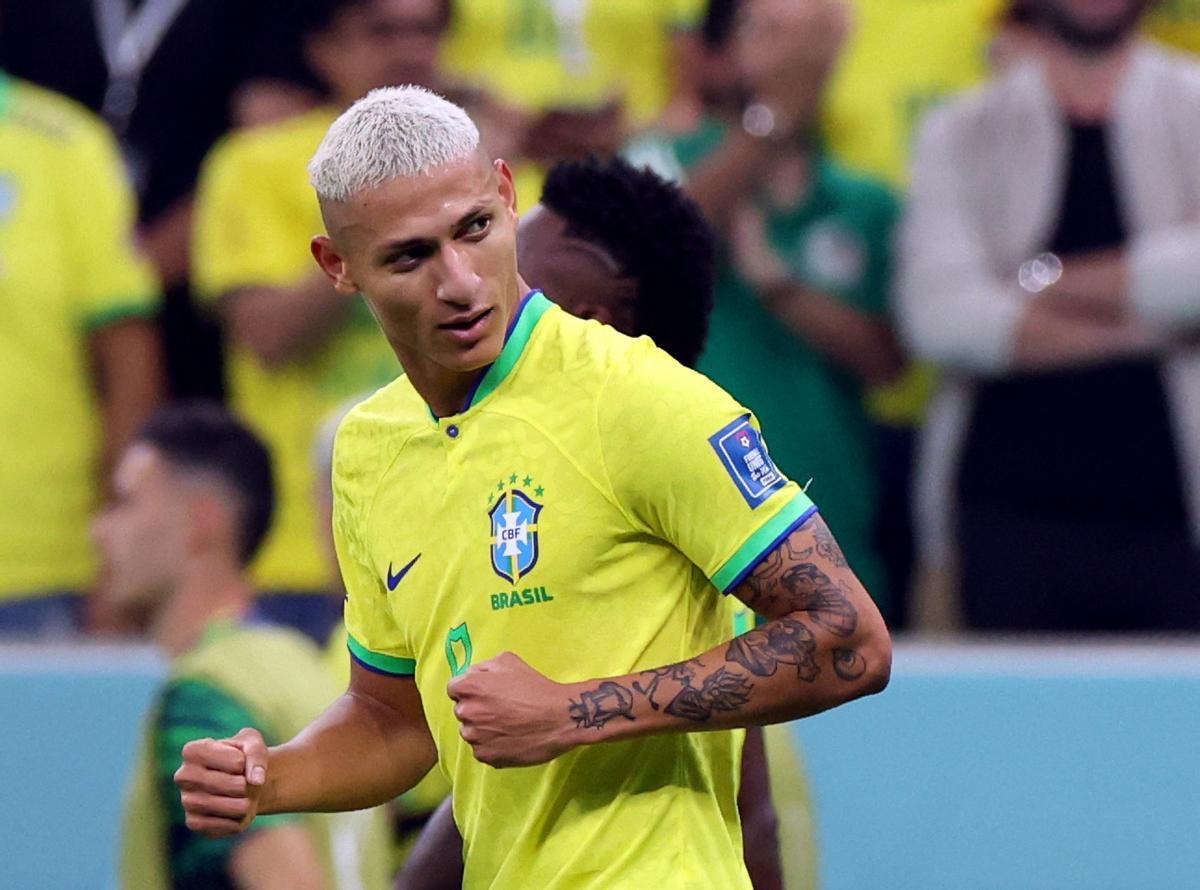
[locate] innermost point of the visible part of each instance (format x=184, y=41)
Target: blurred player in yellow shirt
x=80, y=360
x=298, y=349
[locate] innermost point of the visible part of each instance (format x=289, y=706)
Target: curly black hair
x=205, y=437
x=657, y=234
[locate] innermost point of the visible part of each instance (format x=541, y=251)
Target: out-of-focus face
x=1092, y=23
x=575, y=273
x=142, y=535
x=435, y=258
x=379, y=43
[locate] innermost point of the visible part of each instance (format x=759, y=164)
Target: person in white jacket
x=1050, y=264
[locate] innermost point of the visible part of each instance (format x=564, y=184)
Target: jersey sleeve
x=110, y=278
x=372, y=634
x=689, y=465
x=195, y=709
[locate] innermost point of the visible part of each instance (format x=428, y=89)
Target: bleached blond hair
x=389, y=133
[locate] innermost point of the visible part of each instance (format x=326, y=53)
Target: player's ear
x=333, y=264
x=508, y=190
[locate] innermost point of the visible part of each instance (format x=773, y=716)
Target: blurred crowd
x=956, y=276
x=958, y=282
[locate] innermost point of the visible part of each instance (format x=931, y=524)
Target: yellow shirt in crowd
x=540, y=53
x=255, y=216
x=68, y=267
x=585, y=510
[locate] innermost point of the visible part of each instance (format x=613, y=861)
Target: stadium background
x=1021, y=761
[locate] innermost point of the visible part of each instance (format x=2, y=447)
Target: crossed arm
x=825, y=644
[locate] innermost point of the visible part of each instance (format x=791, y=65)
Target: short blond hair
x=389, y=133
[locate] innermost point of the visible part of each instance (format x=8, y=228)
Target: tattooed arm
x=825, y=644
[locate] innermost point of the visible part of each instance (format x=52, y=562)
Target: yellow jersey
x=540, y=53
x=902, y=57
x=255, y=216
x=68, y=267
x=586, y=510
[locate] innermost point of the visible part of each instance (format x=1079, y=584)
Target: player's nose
x=459, y=282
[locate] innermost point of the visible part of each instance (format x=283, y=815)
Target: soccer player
x=536, y=524
x=627, y=248
x=192, y=498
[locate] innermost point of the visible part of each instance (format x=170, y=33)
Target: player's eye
x=477, y=227
x=408, y=260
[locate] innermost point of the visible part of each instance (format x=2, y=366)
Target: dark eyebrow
x=411, y=245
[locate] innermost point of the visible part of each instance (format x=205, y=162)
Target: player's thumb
x=255, y=748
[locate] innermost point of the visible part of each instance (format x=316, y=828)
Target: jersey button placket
x=452, y=431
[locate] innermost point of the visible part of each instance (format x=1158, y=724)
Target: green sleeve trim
x=763, y=541
x=383, y=664
x=97, y=320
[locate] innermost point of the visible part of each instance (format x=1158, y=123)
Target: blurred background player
x=297, y=349
x=800, y=326
x=192, y=499
x=1067, y=426
x=80, y=359
x=626, y=248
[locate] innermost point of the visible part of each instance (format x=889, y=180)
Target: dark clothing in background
x=1062, y=471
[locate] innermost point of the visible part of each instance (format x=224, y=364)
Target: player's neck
x=209, y=589
x=445, y=392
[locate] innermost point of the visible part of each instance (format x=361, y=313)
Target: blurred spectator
x=170, y=77
x=1051, y=263
x=192, y=498
x=800, y=325
x=298, y=349
x=581, y=72
x=80, y=362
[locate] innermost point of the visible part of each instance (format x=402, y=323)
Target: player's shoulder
x=52, y=118
x=374, y=431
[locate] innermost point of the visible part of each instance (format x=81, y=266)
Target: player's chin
x=464, y=357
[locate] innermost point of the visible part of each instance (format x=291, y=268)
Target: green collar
x=533, y=306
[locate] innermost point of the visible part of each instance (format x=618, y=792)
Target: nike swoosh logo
x=393, y=580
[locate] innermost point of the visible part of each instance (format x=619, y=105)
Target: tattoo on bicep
x=597, y=706
x=784, y=641
x=848, y=664
x=827, y=547
x=811, y=590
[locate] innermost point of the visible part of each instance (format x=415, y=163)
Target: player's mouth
x=468, y=328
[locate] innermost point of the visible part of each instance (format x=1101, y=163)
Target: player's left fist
x=510, y=714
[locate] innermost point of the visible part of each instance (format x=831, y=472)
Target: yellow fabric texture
x=583, y=55
x=1176, y=23
x=255, y=216
x=277, y=675
x=68, y=267
x=608, y=438
x=902, y=57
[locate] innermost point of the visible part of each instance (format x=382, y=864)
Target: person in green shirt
x=192, y=499
x=800, y=325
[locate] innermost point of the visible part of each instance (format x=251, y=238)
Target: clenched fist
x=220, y=782
x=510, y=714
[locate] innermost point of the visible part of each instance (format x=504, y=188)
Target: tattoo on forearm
x=723, y=690
x=784, y=641
x=848, y=664
x=596, y=707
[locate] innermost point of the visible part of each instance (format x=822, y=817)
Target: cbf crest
x=514, y=516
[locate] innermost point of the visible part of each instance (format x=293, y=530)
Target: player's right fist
x=220, y=781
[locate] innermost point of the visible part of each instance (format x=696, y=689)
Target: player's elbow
x=877, y=655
